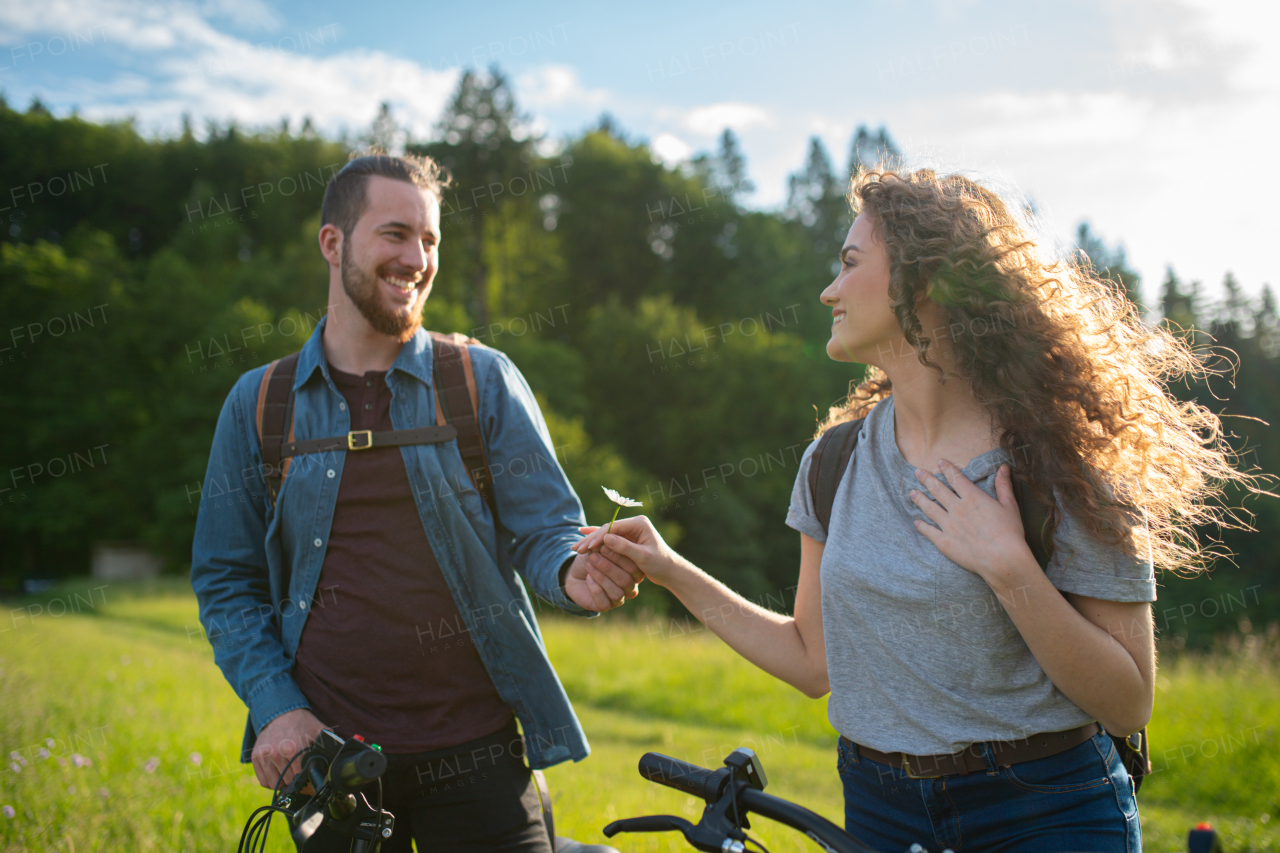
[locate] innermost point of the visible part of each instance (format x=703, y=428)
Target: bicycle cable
x=379, y=843
x=255, y=832
x=280, y=781
x=737, y=818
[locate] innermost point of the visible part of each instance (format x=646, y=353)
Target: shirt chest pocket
x=966, y=609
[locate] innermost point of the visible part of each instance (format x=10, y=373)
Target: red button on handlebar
x=1204, y=824
x=357, y=737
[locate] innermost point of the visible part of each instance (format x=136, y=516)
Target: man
x=376, y=594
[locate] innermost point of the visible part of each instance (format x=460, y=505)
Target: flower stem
x=612, y=520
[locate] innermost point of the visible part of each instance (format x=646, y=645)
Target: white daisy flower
x=619, y=499
x=621, y=502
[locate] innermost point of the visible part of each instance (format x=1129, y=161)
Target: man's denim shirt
x=255, y=569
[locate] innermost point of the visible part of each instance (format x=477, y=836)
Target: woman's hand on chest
x=972, y=529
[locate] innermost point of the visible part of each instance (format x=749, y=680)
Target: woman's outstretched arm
x=789, y=648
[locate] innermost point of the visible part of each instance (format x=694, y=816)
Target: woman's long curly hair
x=1073, y=378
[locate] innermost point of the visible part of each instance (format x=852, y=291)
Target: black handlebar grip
x=353, y=772
x=690, y=778
x=648, y=823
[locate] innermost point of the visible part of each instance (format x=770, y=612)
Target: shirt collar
x=414, y=358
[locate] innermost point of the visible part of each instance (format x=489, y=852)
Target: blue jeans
x=1080, y=801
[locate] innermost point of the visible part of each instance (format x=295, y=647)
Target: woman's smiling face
x=863, y=326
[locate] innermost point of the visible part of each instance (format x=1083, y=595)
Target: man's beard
x=362, y=289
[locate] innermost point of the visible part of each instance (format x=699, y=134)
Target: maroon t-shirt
x=385, y=653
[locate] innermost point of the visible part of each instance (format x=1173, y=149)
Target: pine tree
x=487, y=146
x=385, y=135
x=1179, y=305
x=809, y=192
x=729, y=169
x=1235, y=304
x=1266, y=325
x=871, y=151
x=1110, y=263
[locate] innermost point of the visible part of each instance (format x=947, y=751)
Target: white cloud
x=1052, y=119
x=557, y=86
x=1232, y=41
x=197, y=70
x=1166, y=178
x=712, y=119
x=670, y=148
x=128, y=23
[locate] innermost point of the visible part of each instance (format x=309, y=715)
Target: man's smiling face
x=390, y=258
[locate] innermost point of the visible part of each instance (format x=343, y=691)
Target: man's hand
x=602, y=581
x=279, y=740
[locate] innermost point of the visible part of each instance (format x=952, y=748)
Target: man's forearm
x=248, y=649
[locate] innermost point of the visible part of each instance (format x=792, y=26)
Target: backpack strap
x=274, y=417
x=827, y=466
x=1035, y=518
x=458, y=403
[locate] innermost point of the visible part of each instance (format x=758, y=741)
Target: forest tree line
x=673, y=335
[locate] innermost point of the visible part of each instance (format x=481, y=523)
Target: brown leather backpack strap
x=275, y=420
x=457, y=399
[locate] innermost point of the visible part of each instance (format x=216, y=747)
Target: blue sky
x=1156, y=120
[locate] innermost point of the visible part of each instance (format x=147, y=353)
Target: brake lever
x=649, y=823
x=699, y=837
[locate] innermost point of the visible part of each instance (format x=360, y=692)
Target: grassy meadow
x=119, y=733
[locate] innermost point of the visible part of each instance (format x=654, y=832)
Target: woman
x=973, y=689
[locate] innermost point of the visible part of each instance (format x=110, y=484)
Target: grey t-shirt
x=921, y=656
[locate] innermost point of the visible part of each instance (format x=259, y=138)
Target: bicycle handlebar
x=797, y=817
x=689, y=778
x=717, y=787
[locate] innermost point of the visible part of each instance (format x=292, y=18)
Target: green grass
x=130, y=678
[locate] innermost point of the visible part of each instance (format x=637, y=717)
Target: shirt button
x=317, y=543
x=302, y=605
x=330, y=474
x=368, y=383
x=342, y=407
x=368, y=406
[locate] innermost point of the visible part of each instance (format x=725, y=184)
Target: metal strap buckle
x=365, y=433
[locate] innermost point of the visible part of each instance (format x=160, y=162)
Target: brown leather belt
x=970, y=760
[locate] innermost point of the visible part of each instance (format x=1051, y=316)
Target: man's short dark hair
x=345, y=198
